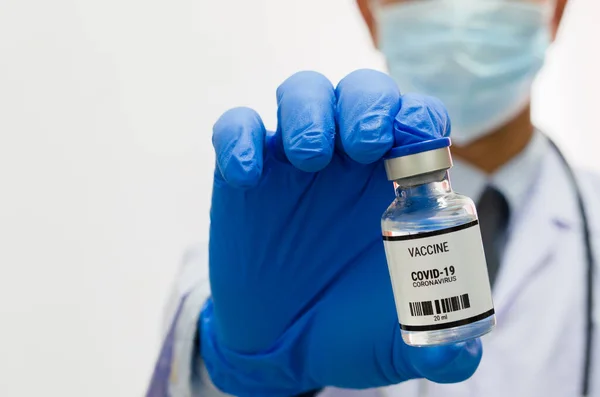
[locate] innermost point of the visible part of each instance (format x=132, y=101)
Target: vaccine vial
x=434, y=250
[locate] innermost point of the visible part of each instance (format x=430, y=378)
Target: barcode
x=446, y=305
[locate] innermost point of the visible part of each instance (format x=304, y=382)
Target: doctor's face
x=479, y=57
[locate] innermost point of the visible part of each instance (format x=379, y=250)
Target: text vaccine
x=434, y=250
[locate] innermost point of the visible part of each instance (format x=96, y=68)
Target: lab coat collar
x=547, y=217
x=513, y=179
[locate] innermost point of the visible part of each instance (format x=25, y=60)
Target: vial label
x=439, y=278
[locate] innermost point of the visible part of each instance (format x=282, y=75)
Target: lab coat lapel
x=536, y=231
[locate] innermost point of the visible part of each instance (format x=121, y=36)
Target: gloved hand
x=301, y=294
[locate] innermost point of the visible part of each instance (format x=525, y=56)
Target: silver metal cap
x=419, y=163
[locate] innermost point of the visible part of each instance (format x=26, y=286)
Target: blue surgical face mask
x=479, y=57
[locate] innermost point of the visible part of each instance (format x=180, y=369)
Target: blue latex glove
x=301, y=294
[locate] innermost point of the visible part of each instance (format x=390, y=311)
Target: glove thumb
x=445, y=364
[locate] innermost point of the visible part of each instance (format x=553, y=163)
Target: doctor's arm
x=300, y=291
x=179, y=371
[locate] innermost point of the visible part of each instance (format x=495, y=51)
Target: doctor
x=300, y=298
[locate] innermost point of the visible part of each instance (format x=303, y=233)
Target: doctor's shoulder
x=190, y=272
x=193, y=265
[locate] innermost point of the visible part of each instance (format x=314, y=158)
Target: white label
x=439, y=278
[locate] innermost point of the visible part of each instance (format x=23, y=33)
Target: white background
x=106, y=110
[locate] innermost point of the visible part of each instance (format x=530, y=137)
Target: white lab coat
x=537, y=347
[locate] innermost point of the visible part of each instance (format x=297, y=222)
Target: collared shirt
x=514, y=179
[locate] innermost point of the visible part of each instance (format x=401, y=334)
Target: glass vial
x=435, y=253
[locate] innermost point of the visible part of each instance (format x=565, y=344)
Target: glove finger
x=447, y=364
x=306, y=122
x=420, y=118
x=238, y=139
x=367, y=103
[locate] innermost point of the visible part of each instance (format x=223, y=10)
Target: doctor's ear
x=559, y=10
x=367, y=13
